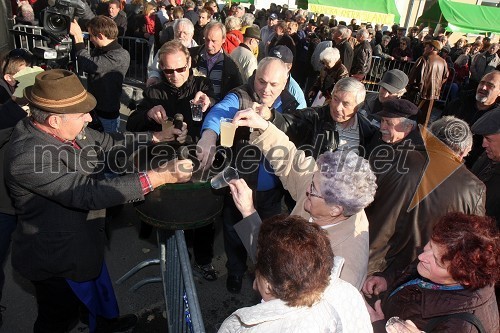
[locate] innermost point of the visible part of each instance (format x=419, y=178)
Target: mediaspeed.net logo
x=439, y=166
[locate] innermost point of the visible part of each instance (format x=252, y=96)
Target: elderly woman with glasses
x=331, y=192
x=451, y=287
x=297, y=280
x=332, y=71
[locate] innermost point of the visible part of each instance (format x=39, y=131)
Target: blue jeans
x=110, y=125
x=7, y=226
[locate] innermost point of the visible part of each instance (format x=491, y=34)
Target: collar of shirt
x=68, y=142
x=212, y=60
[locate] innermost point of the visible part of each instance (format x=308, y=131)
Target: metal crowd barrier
x=138, y=49
x=28, y=39
x=179, y=290
x=379, y=66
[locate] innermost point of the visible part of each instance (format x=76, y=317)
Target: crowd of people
x=386, y=199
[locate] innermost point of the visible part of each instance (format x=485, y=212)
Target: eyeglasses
x=312, y=191
x=17, y=54
x=170, y=71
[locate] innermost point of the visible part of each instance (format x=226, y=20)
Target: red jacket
x=233, y=39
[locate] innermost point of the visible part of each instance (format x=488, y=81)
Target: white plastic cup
x=196, y=111
x=222, y=179
x=396, y=324
x=227, y=130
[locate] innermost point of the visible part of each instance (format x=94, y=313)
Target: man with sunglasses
x=13, y=62
x=163, y=100
x=106, y=66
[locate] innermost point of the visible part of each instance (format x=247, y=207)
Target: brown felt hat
x=435, y=43
x=59, y=91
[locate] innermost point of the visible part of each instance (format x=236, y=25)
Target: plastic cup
x=222, y=179
x=395, y=324
x=196, y=111
x=227, y=130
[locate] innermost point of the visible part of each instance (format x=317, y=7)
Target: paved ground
x=125, y=250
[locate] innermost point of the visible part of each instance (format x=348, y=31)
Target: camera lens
x=58, y=23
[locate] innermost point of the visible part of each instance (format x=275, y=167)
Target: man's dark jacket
x=60, y=195
x=174, y=100
x=10, y=115
x=346, y=53
x=315, y=127
x=106, y=68
x=489, y=173
x=362, y=58
x=251, y=157
x=231, y=76
x=465, y=108
x=399, y=231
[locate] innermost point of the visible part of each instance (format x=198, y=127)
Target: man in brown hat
x=55, y=174
x=244, y=54
x=429, y=73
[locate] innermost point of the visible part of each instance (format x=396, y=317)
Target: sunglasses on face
x=170, y=71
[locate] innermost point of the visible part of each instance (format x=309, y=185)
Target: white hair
x=330, y=54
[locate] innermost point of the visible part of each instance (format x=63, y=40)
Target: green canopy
x=462, y=17
x=377, y=11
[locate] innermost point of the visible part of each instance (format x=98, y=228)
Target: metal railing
x=179, y=290
x=138, y=49
x=379, y=66
x=29, y=37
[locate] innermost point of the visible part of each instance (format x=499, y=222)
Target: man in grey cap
x=244, y=54
x=487, y=167
x=392, y=86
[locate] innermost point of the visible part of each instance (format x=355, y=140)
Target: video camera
x=60, y=13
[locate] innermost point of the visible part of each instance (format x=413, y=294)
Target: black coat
x=106, y=68
x=315, y=128
x=10, y=115
x=60, y=195
x=174, y=100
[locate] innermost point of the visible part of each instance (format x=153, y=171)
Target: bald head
x=270, y=79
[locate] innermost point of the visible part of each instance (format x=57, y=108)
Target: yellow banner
x=358, y=14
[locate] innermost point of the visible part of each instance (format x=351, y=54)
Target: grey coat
x=60, y=195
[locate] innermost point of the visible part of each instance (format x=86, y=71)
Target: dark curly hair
x=295, y=257
x=471, y=246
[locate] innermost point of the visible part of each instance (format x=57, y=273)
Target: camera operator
x=106, y=65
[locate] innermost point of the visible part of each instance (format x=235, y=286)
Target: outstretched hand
x=242, y=196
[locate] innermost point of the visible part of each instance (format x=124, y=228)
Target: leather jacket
x=314, y=128
x=429, y=73
x=362, y=58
